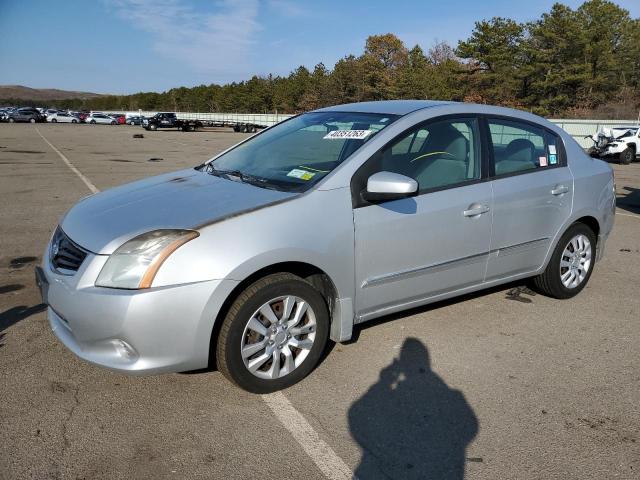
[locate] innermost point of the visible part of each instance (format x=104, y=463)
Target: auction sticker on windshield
x=348, y=134
x=301, y=174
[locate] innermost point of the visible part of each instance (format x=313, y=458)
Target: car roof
x=391, y=107
x=406, y=107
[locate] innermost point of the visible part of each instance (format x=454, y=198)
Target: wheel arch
x=313, y=274
x=585, y=218
x=590, y=222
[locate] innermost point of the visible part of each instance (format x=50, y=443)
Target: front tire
x=627, y=156
x=53, y=120
x=274, y=334
x=571, y=264
x=32, y=120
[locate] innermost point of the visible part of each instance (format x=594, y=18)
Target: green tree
x=494, y=50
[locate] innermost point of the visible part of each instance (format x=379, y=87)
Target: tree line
x=568, y=62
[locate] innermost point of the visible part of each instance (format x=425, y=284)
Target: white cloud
x=217, y=43
x=288, y=8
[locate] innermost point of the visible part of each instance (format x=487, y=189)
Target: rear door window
x=519, y=147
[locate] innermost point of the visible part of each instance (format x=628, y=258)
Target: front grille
x=64, y=254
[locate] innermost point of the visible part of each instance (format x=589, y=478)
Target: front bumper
x=157, y=330
x=613, y=150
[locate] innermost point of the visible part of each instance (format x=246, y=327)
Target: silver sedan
x=62, y=117
x=254, y=260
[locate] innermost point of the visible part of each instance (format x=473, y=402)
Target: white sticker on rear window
x=348, y=134
x=552, y=149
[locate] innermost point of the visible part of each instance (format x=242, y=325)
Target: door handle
x=559, y=190
x=475, y=210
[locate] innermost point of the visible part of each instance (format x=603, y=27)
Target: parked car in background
x=82, y=116
x=169, y=120
x=120, y=119
x=62, y=117
x=25, y=114
x=135, y=120
x=331, y=218
x=96, y=117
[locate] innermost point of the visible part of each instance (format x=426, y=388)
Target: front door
x=438, y=241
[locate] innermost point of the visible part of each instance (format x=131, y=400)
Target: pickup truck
x=621, y=142
x=169, y=120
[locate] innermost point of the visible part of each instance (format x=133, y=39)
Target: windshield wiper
x=244, y=177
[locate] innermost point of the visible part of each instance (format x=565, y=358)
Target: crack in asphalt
x=65, y=422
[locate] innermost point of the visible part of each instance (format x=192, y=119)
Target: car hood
x=186, y=199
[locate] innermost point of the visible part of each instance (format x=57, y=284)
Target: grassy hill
x=19, y=92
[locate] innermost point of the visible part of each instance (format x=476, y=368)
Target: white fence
x=578, y=129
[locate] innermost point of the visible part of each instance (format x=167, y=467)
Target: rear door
x=532, y=193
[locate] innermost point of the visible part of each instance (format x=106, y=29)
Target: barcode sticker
x=348, y=134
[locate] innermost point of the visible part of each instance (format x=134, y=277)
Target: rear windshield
x=299, y=152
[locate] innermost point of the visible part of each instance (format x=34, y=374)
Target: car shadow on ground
x=16, y=314
x=628, y=198
x=410, y=424
x=516, y=291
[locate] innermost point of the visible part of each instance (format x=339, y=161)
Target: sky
x=126, y=46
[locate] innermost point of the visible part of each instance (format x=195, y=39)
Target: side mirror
x=384, y=186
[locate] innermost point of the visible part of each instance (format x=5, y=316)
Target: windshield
x=629, y=133
x=298, y=153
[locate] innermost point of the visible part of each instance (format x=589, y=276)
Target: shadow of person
x=410, y=424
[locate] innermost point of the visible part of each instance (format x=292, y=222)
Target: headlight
x=135, y=264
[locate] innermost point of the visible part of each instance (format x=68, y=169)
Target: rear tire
x=92, y=122
x=32, y=120
x=53, y=120
x=279, y=338
x=627, y=156
x=12, y=120
x=571, y=259
x=74, y=121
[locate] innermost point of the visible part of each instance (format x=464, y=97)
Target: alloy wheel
x=278, y=337
x=575, y=261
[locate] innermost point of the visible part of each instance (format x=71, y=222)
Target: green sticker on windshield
x=301, y=174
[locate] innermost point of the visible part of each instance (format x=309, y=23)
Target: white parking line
x=71, y=166
x=329, y=463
